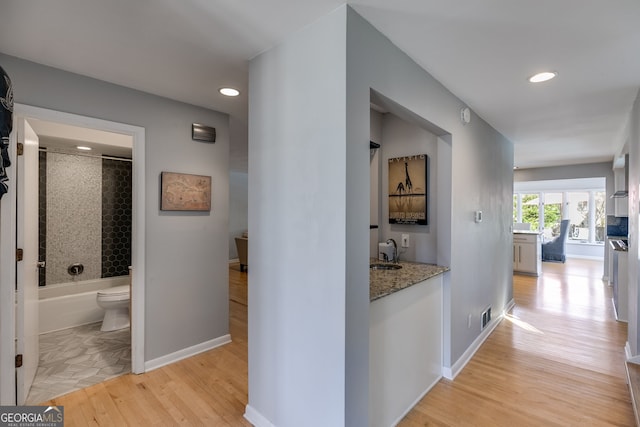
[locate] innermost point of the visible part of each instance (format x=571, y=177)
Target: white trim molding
x=256, y=418
x=187, y=352
x=7, y=245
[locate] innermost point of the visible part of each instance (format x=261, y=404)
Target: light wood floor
x=209, y=389
x=557, y=360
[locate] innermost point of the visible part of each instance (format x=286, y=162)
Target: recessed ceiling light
x=82, y=147
x=229, y=91
x=542, y=77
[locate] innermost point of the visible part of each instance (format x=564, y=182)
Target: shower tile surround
x=79, y=357
x=74, y=229
x=87, y=205
x=116, y=217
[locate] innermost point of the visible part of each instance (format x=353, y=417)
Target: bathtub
x=66, y=305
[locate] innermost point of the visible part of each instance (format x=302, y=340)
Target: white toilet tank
x=116, y=293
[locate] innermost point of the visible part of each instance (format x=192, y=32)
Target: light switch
x=405, y=240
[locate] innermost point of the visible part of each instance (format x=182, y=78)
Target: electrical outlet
x=405, y=240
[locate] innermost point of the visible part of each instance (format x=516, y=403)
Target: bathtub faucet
x=75, y=269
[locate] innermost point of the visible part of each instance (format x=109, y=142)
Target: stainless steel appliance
x=620, y=248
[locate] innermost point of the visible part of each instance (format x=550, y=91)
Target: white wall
x=238, y=208
x=186, y=253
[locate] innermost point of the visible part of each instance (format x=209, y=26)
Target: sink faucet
x=396, y=258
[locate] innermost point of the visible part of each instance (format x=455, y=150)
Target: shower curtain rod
x=75, y=153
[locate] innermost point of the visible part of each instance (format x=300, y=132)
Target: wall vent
x=485, y=318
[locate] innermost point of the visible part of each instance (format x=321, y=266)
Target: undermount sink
x=385, y=267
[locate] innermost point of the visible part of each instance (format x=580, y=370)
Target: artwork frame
x=185, y=192
x=408, y=189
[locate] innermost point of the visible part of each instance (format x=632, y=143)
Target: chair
x=242, y=244
x=553, y=250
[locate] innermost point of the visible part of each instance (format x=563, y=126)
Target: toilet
x=115, y=302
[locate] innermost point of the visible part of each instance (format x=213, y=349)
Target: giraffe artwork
x=408, y=189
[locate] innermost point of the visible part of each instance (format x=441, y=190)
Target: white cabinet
x=405, y=349
x=620, y=285
x=527, y=253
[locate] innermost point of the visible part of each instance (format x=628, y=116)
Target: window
x=552, y=214
x=600, y=216
x=578, y=215
x=585, y=210
x=530, y=207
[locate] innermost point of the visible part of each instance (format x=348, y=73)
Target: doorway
x=10, y=225
x=84, y=247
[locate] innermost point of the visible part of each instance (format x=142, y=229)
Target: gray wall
x=186, y=301
x=238, y=208
x=297, y=222
x=632, y=136
x=474, y=169
x=375, y=166
x=309, y=214
x=401, y=138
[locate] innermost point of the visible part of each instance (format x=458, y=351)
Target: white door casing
x=8, y=244
x=27, y=329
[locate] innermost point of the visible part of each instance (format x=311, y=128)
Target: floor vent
x=485, y=318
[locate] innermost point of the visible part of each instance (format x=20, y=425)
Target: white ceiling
x=66, y=138
x=482, y=50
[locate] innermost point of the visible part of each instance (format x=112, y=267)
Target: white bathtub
x=66, y=305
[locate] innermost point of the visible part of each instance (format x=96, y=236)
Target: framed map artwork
x=408, y=190
x=184, y=192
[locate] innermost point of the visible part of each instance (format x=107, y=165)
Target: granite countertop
x=386, y=282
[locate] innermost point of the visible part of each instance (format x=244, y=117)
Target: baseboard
x=256, y=418
x=508, y=307
x=415, y=402
x=633, y=381
x=630, y=357
x=159, y=362
x=593, y=258
x=234, y=260
x=452, y=372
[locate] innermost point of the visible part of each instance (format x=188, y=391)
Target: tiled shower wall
x=116, y=217
x=87, y=205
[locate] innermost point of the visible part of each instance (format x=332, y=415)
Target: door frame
x=7, y=245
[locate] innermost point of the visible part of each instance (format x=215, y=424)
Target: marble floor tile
x=79, y=357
